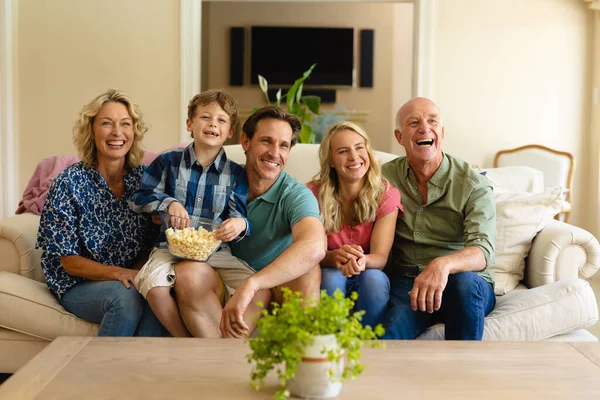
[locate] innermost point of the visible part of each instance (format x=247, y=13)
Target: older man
x=287, y=241
x=445, y=241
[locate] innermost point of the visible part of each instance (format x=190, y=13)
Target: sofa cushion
x=29, y=307
x=519, y=217
x=537, y=314
x=516, y=179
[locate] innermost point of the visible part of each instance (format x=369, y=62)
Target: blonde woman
x=359, y=211
x=92, y=242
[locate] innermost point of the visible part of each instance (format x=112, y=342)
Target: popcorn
x=192, y=244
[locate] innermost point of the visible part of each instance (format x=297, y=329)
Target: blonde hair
x=223, y=99
x=367, y=202
x=83, y=133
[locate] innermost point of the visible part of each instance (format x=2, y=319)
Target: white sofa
x=555, y=305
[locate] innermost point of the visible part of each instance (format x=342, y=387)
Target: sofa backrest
x=18, y=234
x=303, y=161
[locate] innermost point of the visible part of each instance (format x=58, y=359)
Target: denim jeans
x=372, y=286
x=466, y=300
x=118, y=310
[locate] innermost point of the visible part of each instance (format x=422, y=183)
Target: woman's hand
x=230, y=229
x=126, y=276
x=179, y=216
x=354, y=266
x=346, y=253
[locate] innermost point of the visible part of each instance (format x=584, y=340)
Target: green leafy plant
x=285, y=330
x=302, y=106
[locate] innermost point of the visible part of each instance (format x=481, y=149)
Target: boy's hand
x=230, y=229
x=179, y=216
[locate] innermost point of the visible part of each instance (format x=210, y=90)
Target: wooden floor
x=595, y=283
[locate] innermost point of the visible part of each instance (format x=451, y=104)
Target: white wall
x=71, y=51
x=512, y=72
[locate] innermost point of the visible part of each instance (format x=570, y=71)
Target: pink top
x=361, y=234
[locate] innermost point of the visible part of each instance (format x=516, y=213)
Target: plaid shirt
x=217, y=192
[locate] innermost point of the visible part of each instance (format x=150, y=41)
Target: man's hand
x=426, y=294
x=179, y=216
x=230, y=229
x=232, y=318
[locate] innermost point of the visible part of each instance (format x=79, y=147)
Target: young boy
x=196, y=181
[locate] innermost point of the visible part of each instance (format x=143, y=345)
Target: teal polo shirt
x=272, y=216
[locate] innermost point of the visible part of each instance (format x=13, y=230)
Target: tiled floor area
x=595, y=283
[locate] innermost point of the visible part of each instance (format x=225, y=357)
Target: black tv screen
x=282, y=54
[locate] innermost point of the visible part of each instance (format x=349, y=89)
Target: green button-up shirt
x=459, y=212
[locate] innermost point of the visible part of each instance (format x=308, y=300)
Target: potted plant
x=302, y=106
x=312, y=345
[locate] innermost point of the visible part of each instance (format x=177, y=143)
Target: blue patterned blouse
x=82, y=216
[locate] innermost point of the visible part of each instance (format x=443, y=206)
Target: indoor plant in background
x=305, y=107
x=312, y=345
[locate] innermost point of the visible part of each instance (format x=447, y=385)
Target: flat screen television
x=282, y=54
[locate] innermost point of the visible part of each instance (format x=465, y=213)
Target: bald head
x=409, y=107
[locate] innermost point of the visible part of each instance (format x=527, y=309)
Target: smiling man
x=288, y=238
x=445, y=242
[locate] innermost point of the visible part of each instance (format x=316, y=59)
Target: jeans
x=372, y=286
x=466, y=300
x=118, y=310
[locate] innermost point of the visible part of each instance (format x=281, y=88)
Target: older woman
x=359, y=212
x=92, y=242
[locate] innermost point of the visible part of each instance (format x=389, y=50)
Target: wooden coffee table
x=165, y=368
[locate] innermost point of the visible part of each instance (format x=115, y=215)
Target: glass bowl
x=190, y=239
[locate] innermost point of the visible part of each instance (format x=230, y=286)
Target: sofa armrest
x=561, y=251
x=17, y=246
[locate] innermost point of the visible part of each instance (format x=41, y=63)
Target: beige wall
x=71, y=51
x=506, y=72
x=512, y=72
x=393, y=36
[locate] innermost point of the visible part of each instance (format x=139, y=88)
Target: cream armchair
x=553, y=302
x=557, y=167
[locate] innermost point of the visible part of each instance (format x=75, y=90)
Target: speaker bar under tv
x=282, y=54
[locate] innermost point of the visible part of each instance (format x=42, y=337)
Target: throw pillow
x=519, y=217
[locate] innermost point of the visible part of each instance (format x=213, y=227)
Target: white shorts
x=159, y=270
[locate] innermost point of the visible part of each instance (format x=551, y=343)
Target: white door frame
x=9, y=182
x=424, y=47
x=190, y=46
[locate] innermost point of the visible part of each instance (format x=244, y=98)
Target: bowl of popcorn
x=190, y=239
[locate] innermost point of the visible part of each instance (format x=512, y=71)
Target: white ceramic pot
x=312, y=379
